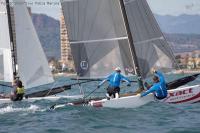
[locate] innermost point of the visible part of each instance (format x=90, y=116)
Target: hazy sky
x=163, y=7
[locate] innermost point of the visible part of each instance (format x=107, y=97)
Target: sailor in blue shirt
x=159, y=87
x=114, y=83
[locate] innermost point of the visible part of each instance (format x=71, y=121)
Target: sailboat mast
x=131, y=44
x=11, y=38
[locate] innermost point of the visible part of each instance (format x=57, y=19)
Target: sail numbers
x=84, y=65
x=129, y=70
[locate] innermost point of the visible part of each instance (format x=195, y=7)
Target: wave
x=11, y=109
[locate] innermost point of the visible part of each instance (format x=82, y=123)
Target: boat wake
x=11, y=109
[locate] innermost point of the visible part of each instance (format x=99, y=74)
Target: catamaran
x=27, y=60
x=105, y=34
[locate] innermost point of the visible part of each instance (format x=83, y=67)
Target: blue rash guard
x=114, y=79
x=159, y=88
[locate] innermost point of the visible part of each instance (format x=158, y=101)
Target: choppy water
x=154, y=118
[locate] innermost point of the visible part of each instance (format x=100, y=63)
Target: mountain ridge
x=187, y=24
x=183, y=32
x=48, y=30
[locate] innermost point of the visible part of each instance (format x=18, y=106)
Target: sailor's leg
x=116, y=95
x=17, y=97
x=110, y=92
x=117, y=90
x=13, y=98
x=20, y=97
x=107, y=96
x=113, y=94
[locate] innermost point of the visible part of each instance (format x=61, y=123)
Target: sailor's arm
x=160, y=75
x=152, y=89
x=106, y=79
x=126, y=79
x=102, y=82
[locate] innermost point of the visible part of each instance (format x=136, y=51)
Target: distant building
x=66, y=56
x=196, y=54
x=190, y=60
x=195, y=59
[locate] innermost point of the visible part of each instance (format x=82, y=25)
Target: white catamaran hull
x=51, y=98
x=190, y=94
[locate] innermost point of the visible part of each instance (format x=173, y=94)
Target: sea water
x=154, y=117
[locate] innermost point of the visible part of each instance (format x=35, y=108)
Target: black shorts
x=112, y=90
x=159, y=98
x=17, y=97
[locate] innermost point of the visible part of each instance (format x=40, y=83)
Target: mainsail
x=99, y=41
x=97, y=36
x=32, y=62
x=6, y=70
x=151, y=47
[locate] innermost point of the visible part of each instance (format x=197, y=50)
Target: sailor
x=18, y=92
x=159, y=88
x=114, y=80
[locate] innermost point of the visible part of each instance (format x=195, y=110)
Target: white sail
x=33, y=66
x=6, y=70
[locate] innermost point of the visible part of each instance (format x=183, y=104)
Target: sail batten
x=149, y=40
x=33, y=66
x=100, y=40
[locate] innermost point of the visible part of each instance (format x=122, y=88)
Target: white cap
x=117, y=69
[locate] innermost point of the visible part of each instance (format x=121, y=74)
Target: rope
x=52, y=88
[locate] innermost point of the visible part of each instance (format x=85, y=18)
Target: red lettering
x=179, y=93
x=190, y=90
x=171, y=94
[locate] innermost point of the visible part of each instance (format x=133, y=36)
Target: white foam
x=11, y=109
x=59, y=106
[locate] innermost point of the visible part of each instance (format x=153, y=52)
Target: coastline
x=182, y=71
x=187, y=71
x=64, y=75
